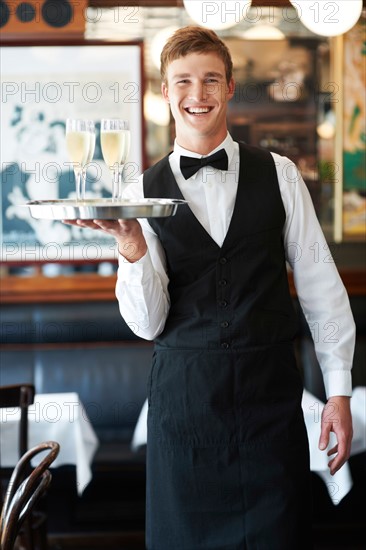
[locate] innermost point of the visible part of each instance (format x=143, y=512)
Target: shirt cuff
x=338, y=382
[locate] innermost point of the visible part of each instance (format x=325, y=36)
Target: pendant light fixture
x=328, y=18
x=217, y=14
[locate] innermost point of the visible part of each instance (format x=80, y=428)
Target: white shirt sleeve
x=320, y=290
x=142, y=286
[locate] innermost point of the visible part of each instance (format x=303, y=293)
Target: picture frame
x=354, y=133
x=350, y=148
x=42, y=85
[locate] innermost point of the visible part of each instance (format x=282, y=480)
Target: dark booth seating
x=87, y=348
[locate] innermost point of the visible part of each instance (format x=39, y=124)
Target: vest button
x=225, y=345
x=223, y=303
x=222, y=282
x=223, y=261
x=224, y=324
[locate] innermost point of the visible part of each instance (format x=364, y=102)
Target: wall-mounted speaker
x=42, y=18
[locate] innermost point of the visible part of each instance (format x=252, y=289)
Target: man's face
x=198, y=93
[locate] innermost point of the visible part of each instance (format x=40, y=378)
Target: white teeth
x=198, y=110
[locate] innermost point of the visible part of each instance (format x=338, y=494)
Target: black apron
x=227, y=451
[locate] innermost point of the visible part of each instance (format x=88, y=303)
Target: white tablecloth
x=339, y=484
x=59, y=417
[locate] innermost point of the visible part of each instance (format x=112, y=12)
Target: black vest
x=237, y=296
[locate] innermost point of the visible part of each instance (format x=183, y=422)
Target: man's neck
x=201, y=146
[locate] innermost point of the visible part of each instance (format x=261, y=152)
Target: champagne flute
x=77, y=143
x=91, y=129
x=115, y=142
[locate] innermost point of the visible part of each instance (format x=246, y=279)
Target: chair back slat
x=19, y=395
x=23, y=494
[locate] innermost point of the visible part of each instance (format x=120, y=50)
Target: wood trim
x=173, y=3
x=51, y=346
x=95, y=288
x=39, y=289
x=178, y=3
x=140, y=3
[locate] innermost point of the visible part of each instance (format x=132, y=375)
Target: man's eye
x=211, y=81
x=184, y=81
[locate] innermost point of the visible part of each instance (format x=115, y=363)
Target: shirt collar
x=227, y=144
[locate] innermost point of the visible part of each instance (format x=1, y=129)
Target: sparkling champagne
x=78, y=146
x=115, y=147
x=91, y=147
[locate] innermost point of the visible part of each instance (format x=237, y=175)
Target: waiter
x=227, y=452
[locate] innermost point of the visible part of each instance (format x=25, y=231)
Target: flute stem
x=115, y=184
x=120, y=182
x=78, y=184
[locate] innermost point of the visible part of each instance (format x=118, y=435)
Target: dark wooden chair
x=23, y=494
x=17, y=395
x=22, y=396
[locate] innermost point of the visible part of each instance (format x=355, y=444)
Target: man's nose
x=199, y=92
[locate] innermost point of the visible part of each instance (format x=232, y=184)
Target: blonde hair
x=194, y=40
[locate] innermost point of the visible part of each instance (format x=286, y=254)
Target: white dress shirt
x=142, y=287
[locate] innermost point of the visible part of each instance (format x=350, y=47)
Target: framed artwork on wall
x=354, y=133
x=42, y=85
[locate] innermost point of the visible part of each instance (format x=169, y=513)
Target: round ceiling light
x=263, y=32
x=217, y=14
x=328, y=18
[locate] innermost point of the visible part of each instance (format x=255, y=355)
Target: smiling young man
x=227, y=452
x=197, y=89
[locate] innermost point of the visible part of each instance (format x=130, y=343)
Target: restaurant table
x=59, y=417
x=339, y=484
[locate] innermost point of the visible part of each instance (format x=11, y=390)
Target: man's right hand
x=128, y=234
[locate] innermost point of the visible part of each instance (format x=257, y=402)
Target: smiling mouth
x=198, y=110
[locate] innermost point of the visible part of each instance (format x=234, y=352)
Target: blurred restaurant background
x=300, y=92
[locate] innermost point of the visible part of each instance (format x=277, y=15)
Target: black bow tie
x=191, y=165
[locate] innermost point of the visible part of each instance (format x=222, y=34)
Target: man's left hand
x=336, y=417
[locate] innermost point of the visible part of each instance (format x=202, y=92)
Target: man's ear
x=164, y=91
x=231, y=89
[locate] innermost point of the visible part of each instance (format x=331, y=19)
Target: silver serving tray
x=103, y=209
